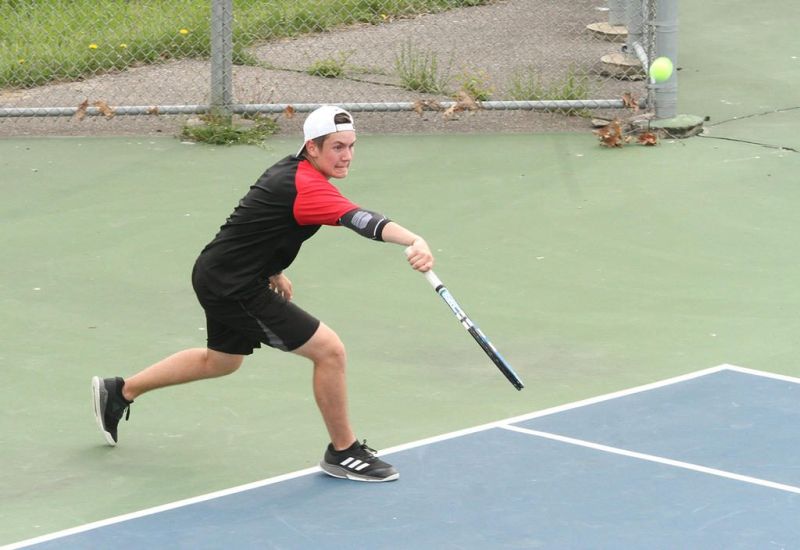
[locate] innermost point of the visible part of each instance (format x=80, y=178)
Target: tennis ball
x=661, y=69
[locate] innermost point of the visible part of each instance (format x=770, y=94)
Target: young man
x=240, y=282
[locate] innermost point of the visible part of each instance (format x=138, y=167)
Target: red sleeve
x=318, y=201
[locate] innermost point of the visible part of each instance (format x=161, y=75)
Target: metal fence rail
x=80, y=58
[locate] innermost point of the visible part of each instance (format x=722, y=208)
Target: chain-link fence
x=65, y=63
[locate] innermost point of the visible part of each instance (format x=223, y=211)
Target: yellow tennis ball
x=661, y=69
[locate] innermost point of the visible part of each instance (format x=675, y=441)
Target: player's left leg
x=327, y=352
x=345, y=457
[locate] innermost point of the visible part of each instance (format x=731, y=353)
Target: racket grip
x=433, y=279
x=429, y=275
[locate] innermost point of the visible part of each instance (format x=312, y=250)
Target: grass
x=419, y=70
x=527, y=85
x=224, y=131
x=476, y=84
x=45, y=40
x=329, y=67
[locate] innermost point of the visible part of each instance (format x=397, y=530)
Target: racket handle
x=435, y=282
x=429, y=275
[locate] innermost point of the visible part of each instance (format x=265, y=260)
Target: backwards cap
x=320, y=123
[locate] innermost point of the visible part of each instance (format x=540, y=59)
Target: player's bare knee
x=337, y=352
x=324, y=348
x=222, y=364
x=331, y=351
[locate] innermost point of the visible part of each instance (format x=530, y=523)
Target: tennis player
x=240, y=281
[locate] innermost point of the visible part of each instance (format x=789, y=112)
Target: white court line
x=560, y=408
x=158, y=509
x=657, y=459
x=764, y=374
x=395, y=449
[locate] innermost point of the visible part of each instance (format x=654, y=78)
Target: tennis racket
x=474, y=331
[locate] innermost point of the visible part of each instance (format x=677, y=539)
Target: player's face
x=333, y=159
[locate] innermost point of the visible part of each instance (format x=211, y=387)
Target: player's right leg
x=109, y=405
x=112, y=397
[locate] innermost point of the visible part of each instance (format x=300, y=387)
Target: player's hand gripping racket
x=476, y=333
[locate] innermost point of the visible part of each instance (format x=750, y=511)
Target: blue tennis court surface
x=706, y=460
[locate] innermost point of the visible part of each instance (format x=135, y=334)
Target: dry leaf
x=80, y=114
x=611, y=135
x=648, y=138
x=152, y=110
x=463, y=103
x=466, y=101
x=426, y=105
x=629, y=101
x=104, y=109
x=289, y=111
x=450, y=112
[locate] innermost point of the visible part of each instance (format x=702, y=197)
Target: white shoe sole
x=342, y=473
x=98, y=414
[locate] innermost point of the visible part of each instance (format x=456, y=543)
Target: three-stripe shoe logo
x=354, y=464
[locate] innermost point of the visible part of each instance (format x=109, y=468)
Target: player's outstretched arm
x=378, y=227
x=419, y=253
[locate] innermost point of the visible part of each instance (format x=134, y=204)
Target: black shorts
x=238, y=326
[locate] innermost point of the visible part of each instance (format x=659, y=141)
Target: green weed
x=216, y=130
x=527, y=85
x=329, y=67
x=419, y=70
x=477, y=85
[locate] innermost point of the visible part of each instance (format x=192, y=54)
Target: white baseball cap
x=320, y=123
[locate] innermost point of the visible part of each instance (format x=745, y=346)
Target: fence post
x=221, y=57
x=666, y=23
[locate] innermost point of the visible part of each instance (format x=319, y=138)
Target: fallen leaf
x=426, y=105
x=648, y=138
x=152, y=110
x=80, y=114
x=464, y=102
x=289, y=111
x=611, y=135
x=629, y=101
x=104, y=109
x=450, y=112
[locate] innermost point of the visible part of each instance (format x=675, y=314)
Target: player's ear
x=311, y=148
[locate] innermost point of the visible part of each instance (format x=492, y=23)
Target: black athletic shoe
x=358, y=462
x=109, y=405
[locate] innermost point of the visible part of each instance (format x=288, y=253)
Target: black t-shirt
x=286, y=206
